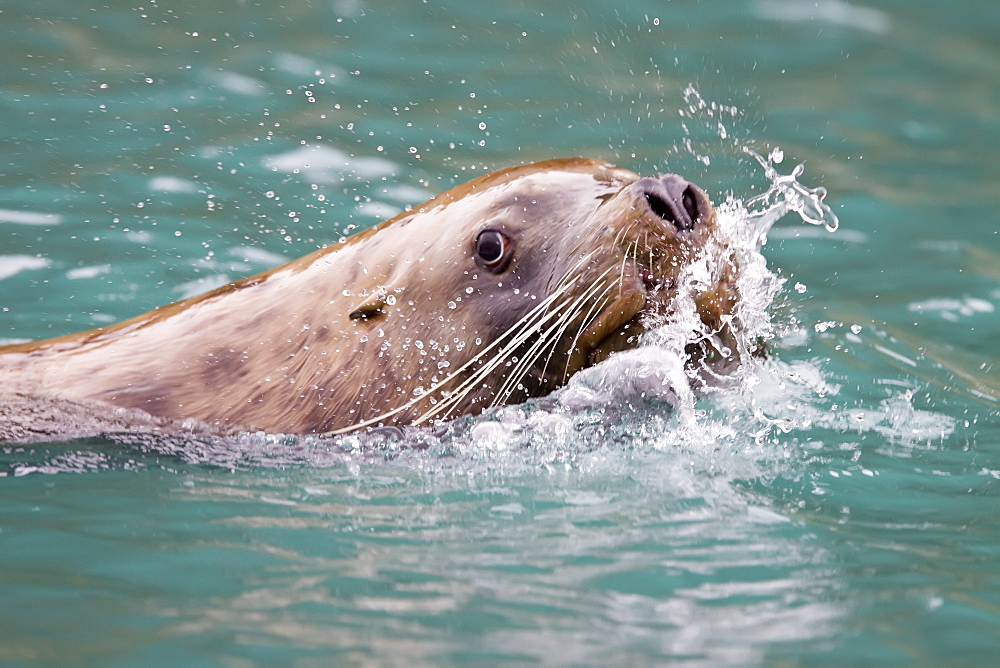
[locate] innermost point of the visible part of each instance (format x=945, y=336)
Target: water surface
x=843, y=507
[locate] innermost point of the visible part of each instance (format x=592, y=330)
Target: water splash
x=743, y=225
x=705, y=121
x=786, y=195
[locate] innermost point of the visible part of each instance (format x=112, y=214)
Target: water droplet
x=821, y=327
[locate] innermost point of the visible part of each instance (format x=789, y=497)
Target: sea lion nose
x=673, y=199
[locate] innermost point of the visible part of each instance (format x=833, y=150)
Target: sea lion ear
x=370, y=309
x=374, y=305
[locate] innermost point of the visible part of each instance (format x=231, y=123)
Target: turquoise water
x=842, y=509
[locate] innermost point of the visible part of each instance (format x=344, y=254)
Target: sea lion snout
x=674, y=200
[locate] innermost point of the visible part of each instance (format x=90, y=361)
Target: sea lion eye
x=493, y=250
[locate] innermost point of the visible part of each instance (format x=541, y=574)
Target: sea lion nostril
x=690, y=202
x=674, y=200
x=661, y=207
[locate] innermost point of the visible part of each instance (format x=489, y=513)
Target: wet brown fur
x=281, y=352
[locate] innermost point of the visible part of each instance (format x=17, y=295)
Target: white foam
x=11, y=265
x=648, y=373
x=800, y=232
x=379, y=210
x=258, y=256
x=172, y=184
x=322, y=161
x=29, y=217
x=200, y=285
x=833, y=12
x=407, y=194
x=88, y=272
x=952, y=309
x=239, y=83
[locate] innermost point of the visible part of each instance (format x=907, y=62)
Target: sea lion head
x=504, y=287
x=493, y=292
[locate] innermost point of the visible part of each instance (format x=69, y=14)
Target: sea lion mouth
x=621, y=324
x=615, y=328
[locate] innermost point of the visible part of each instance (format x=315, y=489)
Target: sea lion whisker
x=550, y=338
x=482, y=372
x=623, y=233
x=539, y=308
x=528, y=328
x=526, y=360
x=650, y=262
x=570, y=314
x=560, y=329
x=623, y=271
x=498, y=358
x=571, y=273
x=597, y=305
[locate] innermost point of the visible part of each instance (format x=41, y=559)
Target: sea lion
x=493, y=292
